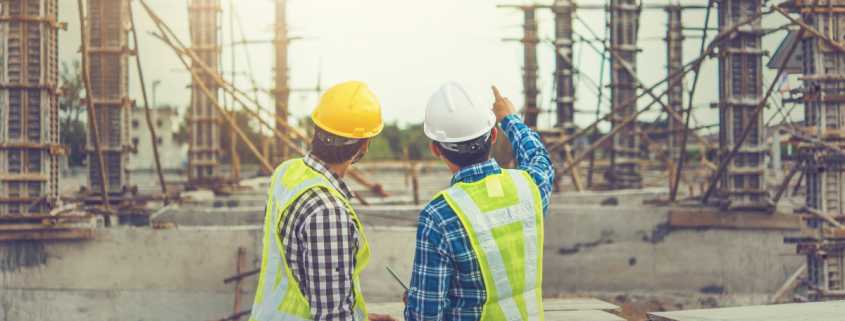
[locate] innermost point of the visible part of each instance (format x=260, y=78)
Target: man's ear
x=434, y=150
x=495, y=135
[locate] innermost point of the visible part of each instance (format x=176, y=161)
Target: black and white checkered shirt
x=320, y=240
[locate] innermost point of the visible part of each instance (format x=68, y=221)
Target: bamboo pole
x=147, y=115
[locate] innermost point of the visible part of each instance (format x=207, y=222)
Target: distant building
x=173, y=155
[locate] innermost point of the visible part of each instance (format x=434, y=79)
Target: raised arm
x=529, y=151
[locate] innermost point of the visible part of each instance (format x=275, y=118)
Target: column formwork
x=740, y=91
x=824, y=108
x=624, y=170
x=674, y=66
x=530, y=68
x=204, y=119
x=564, y=69
x=29, y=107
x=108, y=70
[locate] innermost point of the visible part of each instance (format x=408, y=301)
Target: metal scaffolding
x=824, y=84
x=674, y=63
x=205, y=120
x=624, y=170
x=740, y=91
x=564, y=71
x=281, y=92
x=29, y=132
x=108, y=57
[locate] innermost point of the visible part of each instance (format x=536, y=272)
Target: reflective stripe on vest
x=503, y=216
x=278, y=296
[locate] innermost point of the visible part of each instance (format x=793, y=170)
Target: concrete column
x=30, y=108
x=108, y=58
x=624, y=170
x=740, y=90
x=674, y=64
x=205, y=131
x=281, y=92
x=824, y=85
x=564, y=71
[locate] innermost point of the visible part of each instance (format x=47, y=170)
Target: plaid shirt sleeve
x=327, y=241
x=433, y=268
x=531, y=155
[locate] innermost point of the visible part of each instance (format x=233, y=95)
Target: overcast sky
x=405, y=50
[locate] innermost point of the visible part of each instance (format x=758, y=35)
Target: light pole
x=156, y=83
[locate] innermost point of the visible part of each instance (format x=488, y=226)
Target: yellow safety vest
x=503, y=217
x=278, y=296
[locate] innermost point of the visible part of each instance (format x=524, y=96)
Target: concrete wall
x=145, y=274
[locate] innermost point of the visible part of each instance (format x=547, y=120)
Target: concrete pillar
x=204, y=120
x=108, y=56
x=564, y=71
x=824, y=85
x=529, y=71
x=30, y=108
x=674, y=64
x=624, y=170
x=740, y=90
x=281, y=92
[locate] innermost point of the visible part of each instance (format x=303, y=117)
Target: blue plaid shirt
x=446, y=281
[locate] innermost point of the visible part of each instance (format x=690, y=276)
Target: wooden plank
x=712, y=218
x=815, y=311
x=48, y=235
x=576, y=304
x=583, y=315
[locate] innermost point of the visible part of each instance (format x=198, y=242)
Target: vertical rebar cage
x=108, y=69
x=204, y=119
x=29, y=110
x=824, y=107
x=624, y=170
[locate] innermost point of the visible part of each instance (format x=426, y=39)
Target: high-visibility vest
x=503, y=217
x=278, y=296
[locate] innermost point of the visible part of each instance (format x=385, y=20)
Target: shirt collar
x=335, y=180
x=476, y=172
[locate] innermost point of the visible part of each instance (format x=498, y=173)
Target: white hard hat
x=451, y=117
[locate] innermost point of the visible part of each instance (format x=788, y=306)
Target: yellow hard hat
x=349, y=109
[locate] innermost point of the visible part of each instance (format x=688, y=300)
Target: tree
x=73, y=127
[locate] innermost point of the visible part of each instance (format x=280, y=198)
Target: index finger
x=497, y=94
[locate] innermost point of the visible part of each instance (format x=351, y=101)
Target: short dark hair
x=464, y=159
x=333, y=149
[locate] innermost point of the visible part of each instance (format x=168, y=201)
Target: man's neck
x=338, y=169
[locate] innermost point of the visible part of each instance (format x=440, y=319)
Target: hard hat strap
x=468, y=147
x=334, y=140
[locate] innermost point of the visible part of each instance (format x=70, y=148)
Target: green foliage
x=72, y=124
x=73, y=136
x=395, y=143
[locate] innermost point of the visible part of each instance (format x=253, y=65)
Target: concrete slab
x=584, y=315
x=815, y=311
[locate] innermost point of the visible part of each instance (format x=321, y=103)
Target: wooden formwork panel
x=204, y=144
x=108, y=64
x=29, y=169
x=624, y=170
x=740, y=91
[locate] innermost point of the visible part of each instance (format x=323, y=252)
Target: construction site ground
x=609, y=245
